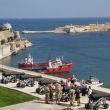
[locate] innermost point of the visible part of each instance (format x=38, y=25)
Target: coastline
x=12, y=43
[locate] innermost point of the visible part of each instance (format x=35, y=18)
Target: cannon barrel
x=22, y=77
x=45, y=82
x=97, y=96
x=12, y=73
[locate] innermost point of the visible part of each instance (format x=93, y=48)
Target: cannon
x=45, y=82
x=10, y=77
x=65, y=94
x=66, y=90
x=27, y=80
x=97, y=100
x=84, y=90
x=42, y=84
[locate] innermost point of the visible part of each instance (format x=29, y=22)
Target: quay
x=8, y=68
x=39, y=104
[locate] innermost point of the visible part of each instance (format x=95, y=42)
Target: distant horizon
x=54, y=17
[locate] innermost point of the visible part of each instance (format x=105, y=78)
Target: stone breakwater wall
x=85, y=28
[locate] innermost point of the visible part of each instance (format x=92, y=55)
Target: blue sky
x=54, y=8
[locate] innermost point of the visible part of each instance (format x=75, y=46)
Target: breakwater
x=86, y=28
x=45, y=31
x=75, y=29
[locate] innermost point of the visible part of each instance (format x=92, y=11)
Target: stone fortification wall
x=90, y=28
x=85, y=28
x=6, y=36
x=11, y=42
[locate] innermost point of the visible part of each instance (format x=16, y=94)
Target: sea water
x=89, y=52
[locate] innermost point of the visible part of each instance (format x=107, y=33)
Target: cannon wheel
x=95, y=108
x=23, y=86
x=87, y=106
x=38, y=90
x=17, y=85
x=106, y=106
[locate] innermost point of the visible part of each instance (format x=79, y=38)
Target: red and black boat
x=52, y=66
x=55, y=66
x=28, y=62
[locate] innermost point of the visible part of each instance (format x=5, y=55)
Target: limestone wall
x=11, y=42
x=6, y=36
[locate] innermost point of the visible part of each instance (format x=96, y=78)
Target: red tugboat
x=55, y=66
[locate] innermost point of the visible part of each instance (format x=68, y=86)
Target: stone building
x=5, y=51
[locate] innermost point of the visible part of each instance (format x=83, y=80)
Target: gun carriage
x=42, y=84
x=10, y=77
x=27, y=80
x=97, y=100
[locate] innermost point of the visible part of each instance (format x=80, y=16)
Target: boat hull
x=63, y=68
x=23, y=65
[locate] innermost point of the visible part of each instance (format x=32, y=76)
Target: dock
x=96, y=89
x=31, y=91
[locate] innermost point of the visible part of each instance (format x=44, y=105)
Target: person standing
x=77, y=95
x=72, y=96
x=58, y=93
x=51, y=92
x=89, y=93
x=47, y=94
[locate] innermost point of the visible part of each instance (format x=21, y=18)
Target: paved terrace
x=40, y=104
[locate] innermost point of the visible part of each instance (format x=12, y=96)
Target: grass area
x=67, y=109
x=9, y=97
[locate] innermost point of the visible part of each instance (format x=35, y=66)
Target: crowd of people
x=54, y=92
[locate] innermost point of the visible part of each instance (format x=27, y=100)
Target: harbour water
x=89, y=52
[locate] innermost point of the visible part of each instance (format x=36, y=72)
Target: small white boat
x=92, y=81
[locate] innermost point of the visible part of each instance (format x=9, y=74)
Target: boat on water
x=92, y=81
x=55, y=66
x=27, y=62
x=51, y=66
